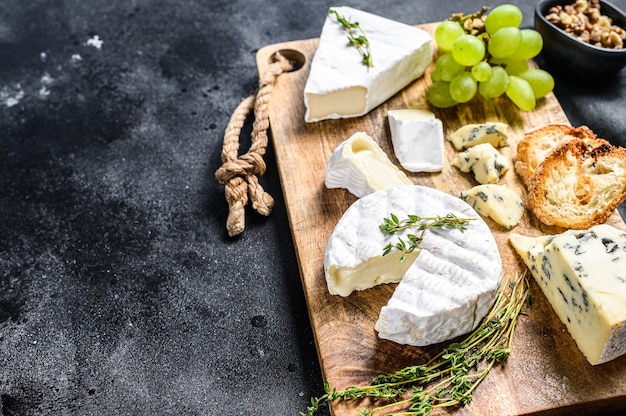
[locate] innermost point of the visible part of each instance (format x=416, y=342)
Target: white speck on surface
x=76, y=58
x=11, y=96
x=43, y=91
x=43, y=56
x=95, y=41
x=46, y=79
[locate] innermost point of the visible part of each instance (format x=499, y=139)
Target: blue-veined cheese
x=444, y=290
x=359, y=165
x=472, y=134
x=417, y=138
x=339, y=85
x=498, y=202
x=484, y=161
x=583, y=276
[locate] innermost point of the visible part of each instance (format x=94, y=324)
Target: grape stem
x=472, y=23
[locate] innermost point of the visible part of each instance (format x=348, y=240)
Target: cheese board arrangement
x=344, y=171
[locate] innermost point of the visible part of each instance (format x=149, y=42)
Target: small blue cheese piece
x=417, y=138
x=359, y=165
x=498, y=202
x=484, y=161
x=340, y=85
x=473, y=134
x=583, y=276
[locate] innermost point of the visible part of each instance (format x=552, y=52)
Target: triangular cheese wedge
x=340, y=85
x=583, y=276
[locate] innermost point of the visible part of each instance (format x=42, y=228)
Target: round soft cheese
x=445, y=288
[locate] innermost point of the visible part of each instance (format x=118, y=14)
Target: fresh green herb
x=356, y=37
x=449, y=378
x=393, y=224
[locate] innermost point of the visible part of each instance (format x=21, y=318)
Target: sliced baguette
x=537, y=144
x=577, y=185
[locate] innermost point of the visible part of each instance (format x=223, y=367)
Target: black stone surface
x=120, y=291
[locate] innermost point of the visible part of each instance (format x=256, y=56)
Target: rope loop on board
x=240, y=173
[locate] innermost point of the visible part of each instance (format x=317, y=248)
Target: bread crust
x=578, y=184
x=537, y=144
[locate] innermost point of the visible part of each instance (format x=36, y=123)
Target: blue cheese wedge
x=498, y=202
x=444, y=290
x=340, y=85
x=583, y=276
x=473, y=134
x=484, y=161
x=417, y=138
x=359, y=165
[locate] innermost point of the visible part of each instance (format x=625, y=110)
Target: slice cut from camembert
x=359, y=165
x=340, y=85
x=583, y=276
x=444, y=290
x=417, y=138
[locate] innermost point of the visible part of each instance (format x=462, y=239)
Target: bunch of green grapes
x=490, y=60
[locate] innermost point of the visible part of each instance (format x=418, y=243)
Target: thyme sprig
x=449, y=378
x=356, y=37
x=393, y=224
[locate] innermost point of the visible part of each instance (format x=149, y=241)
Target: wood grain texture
x=546, y=373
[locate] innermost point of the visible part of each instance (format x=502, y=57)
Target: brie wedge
x=583, y=276
x=340, y=85
x=417, y=138
x=359, y=165
x=445, y=289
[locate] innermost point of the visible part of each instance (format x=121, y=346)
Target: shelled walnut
x=584, y=20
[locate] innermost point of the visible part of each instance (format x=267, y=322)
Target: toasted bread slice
x=537, y=144
x=577, y=186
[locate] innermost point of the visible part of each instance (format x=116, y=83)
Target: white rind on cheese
x=417, y=138
x=439, y=299
x=339, y=85
x=449, y=288
x=466, y=265
x=484, y=161
x=583, y=276
x=359, y=165
x=498, y=202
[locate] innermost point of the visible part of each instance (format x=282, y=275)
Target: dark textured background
x=120, y=291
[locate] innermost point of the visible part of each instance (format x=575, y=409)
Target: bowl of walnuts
x=582, y=39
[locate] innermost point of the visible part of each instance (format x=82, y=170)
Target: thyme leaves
x=356, y=37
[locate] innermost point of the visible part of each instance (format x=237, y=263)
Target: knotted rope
x=240, y=174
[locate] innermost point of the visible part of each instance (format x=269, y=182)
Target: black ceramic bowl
x=572, y=57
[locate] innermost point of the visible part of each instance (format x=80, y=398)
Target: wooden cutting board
x=545, y=374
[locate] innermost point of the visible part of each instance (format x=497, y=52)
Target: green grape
x=438, y=94
x=496, y=85
x=446, y=67
x=463, y=87
x=446, y=33
x=503, y=16
x=530, y=45
x=481, y=71
x=540, y=81
x=468, y=50
x=512, y=66
x=504, y=42
x=521, y=93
